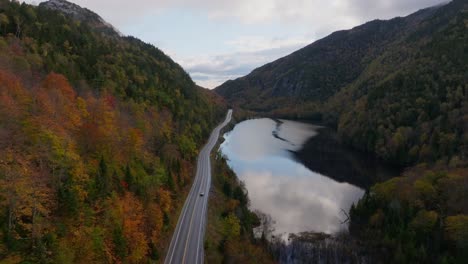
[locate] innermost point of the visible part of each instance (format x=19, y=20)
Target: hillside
x=319, y=70
x=98, y=139
x=397, y=88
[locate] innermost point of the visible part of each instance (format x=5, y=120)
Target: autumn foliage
x=65, y=157
x=85, y=177
x=417, y=218
x=98, y=139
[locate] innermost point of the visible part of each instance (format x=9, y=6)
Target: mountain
x=99, y=135
x=81, y=14
x=319, y=70
x=397, y=88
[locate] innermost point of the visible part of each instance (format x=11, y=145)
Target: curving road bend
x=187, y=244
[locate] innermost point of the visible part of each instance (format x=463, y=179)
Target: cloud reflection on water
x=296, y=198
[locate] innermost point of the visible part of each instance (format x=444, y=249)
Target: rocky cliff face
x=81, y=14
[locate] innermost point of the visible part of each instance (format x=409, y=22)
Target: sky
x=218, y=40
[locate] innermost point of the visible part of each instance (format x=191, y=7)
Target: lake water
x=261, y=153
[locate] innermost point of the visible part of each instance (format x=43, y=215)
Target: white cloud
x=247, y=53
x=257, y=43
x=315, y=18
x=316, y=13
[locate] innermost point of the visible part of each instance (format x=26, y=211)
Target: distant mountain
x=80, y=14
x=319, y=70
x=397, y=88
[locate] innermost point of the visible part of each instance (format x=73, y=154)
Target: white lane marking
x=209, y=145
x=205, y=202
x=190, y=225
x=207, y=187
x=201, y=222
x=184, y=212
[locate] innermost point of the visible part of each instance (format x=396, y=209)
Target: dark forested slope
x=319, y=70
x=397, y=88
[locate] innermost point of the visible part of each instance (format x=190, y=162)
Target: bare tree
x=347, y=217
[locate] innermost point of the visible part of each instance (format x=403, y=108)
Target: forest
x=420, y=217
x=398, y=90
x=99, y=134
x=230, y=235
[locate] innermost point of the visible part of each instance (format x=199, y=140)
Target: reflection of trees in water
x=320, y=248
x=266, y=228
x=326, y=155
x=309, y=247
x=277, y=130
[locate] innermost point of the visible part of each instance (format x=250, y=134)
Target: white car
x=202, y=194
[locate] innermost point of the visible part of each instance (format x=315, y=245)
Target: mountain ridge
x=320, y=45
x=365, y=81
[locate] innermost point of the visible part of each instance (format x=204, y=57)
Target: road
x=187, y=241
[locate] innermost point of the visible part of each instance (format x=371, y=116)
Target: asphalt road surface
x=187, y=241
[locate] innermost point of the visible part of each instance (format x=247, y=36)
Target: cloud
x=297, y=23
x=248, y=53
x=385, y=9
x=316, y=13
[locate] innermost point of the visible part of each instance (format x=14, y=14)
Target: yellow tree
x=165, y=200
x=456, y=228
x=154, y=222
x=231, y=227
x=4, y=21
x=128, y=215
x=57, y=102
x=24, y=191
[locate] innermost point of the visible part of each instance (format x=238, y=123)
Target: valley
x=351, y=149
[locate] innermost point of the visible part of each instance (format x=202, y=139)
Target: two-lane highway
x=187, y=241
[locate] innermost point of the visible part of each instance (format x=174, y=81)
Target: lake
x=279, y=175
